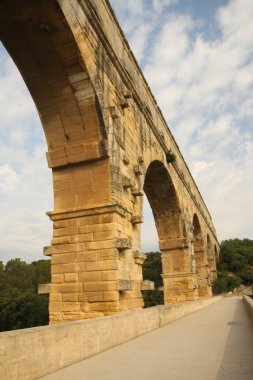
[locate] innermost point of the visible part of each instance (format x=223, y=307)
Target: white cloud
x=204, y=87
x=8, y=178
x=25, y=181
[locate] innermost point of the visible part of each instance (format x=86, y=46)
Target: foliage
x=236, y=265
x=152, y=269
x=170, y=157
x=20, y=305
x=225, y=283
x=153, y=298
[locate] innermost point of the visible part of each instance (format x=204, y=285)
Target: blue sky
x=197, y=58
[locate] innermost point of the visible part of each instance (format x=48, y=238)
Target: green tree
x=235, y=266
x=20, y=304
x=152, y=268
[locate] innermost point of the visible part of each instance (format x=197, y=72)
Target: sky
x=197, y=57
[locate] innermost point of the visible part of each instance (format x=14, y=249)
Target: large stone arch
x=40, y=41
x=104, y=131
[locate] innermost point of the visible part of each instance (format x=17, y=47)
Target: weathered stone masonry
x=107, y=144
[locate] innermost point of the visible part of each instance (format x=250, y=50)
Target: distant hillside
x=235, y=266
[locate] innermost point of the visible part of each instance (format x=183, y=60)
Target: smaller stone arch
x=211, y=259
x=216, y=253
x=163, y=198
x=200, y=257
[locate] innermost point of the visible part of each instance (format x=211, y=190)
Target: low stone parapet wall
x=248, y=302
x=30, y=353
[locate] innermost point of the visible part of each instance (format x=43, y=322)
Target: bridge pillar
x=94, y=272
x=178, y=276
x=203, y=274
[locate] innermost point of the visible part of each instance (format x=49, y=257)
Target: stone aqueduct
x=108, y=143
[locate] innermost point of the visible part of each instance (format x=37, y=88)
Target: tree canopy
x=235, y=266
x=20, y=304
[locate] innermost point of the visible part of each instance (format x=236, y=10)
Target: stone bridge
x=108, y=144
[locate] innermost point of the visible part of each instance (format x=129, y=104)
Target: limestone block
x=139, y=258
x=47, y=251
x=138, y=170
x=111, y=275
x=81, y=238
x=124, y=285
x=55, y=297
x=61, y=240
x=105, y=306
x=64, y=248
x=69, y=297
x=100, y=286
x=57, y=278
x=100, y=244
x=90, y=228
x=70, y=306
x=103, y=265
x=65, y=231
x=107, y=235
x=107, y=254
x=127, y=94
x=123, y=243
x=66, y=288
x=71, y=277
x=147, y=285
x=127, y=183
x=63, y=258
x=90, y=297
x=111, y=296
x=85, y=306
x=137, y=192
x=114, y=112
x=86, y=256
x=137, y=219
x=65, y=268
x=90, y=276
x=44, y=288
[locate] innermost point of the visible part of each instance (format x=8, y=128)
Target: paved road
x=201, y=346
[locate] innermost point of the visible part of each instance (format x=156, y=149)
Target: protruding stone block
x=127, y=183
x=125, y=285
x=138, y=170
x=127, y=94
x=139, y=258
x=137, y=219
x=114, y=112
x=147, y=285
x=44, y=288
x=47, y=251
x=137, y=192
x=126, y=160
x=124, y=103
x=124, y=243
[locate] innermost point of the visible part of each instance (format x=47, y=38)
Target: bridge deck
x=214, y=343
